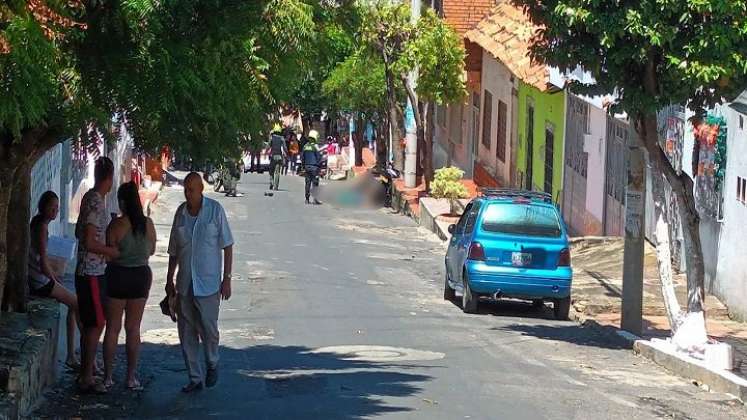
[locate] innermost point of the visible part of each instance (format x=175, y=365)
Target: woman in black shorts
x=128, y=280
x=43, y=281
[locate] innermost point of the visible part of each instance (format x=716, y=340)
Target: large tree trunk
x=5, y=191
x=689, y=331
x=381, y=132
x=690, y=334
x=16, y=160
x=428, y=156
x=397, y=137
x=360, y=130
x=16, y=290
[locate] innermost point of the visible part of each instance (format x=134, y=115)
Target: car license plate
x=521, y=259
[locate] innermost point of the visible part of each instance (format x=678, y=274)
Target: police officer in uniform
x=311, y=160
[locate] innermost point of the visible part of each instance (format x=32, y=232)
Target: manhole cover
x=379, y=353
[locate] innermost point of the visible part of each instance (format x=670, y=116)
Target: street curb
x=725, y=382
x=614, y=333
x=402, y=206
x=719, y=381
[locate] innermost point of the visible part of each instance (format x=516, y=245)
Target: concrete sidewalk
x=597, y=297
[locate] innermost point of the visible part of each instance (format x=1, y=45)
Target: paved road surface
x=338, y=314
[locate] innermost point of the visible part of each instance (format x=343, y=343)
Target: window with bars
x=500, y=149
x=487, y=117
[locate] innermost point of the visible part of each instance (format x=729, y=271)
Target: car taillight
x=476, y=252
x=565, y=258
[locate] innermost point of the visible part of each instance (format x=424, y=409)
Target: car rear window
x=521, y=220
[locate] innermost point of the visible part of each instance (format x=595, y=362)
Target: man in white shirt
x=199, y=233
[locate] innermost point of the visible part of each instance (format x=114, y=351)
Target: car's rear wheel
x=469, y=298
x=561, y=308
x=449, y=293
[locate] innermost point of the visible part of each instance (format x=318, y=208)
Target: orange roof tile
x=506, y=33
x=462, y=15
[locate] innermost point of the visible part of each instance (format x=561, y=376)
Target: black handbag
x=165, y=309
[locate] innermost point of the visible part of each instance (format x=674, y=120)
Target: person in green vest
x=311, y=160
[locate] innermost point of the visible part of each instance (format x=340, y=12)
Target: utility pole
x=411, y=136
x=635, y=212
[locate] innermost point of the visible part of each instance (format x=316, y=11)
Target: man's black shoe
x=317, y=202
x=192, y=386
x=211, y=378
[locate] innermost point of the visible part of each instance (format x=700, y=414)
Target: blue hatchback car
x=510, y=244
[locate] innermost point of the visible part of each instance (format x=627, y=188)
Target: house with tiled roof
x=523, y=112
x=456, y=128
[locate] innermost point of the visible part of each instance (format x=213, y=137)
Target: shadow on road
x=510, y=308
x=573, y=333
x=267, y=381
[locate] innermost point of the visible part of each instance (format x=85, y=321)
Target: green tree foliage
x=335, y=26
x=358, y=84
x=438, y=54
x=197, y=75
x=692, y=51
x=427, y=46
x=652, y=53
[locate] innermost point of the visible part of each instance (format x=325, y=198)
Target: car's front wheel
x=449, y=293
x=469, y=298
x=561, y=308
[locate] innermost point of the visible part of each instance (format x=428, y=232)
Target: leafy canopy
x=428, y=45
x=697, y=49
x=358, y=84
x=198, y=75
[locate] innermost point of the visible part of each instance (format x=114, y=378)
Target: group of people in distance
x=284, y=151
x=113, y=277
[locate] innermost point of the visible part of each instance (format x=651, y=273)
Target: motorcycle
x=386, y=178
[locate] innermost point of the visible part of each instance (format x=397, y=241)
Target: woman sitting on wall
x=43, y=281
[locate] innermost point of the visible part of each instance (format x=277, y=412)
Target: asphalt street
x=338, y=313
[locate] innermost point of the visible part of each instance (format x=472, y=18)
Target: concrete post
x=635, y=208
x=411, y=136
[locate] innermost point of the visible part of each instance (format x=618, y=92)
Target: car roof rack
x=514, y=193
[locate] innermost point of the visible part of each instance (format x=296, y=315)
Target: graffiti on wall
x=671, y=124
x=710, y=158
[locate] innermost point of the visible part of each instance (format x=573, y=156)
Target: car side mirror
x=452, y=228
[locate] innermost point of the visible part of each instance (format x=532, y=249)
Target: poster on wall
x=710, y=155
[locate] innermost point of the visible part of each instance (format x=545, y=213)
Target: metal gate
x=616, y=176
x=576, y=165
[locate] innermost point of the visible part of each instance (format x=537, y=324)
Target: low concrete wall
x=28, y=355
x=430, y=208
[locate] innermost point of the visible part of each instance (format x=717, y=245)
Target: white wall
x=731, y=279
x=595, y=146
x=45, y=176
x=496, y=78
